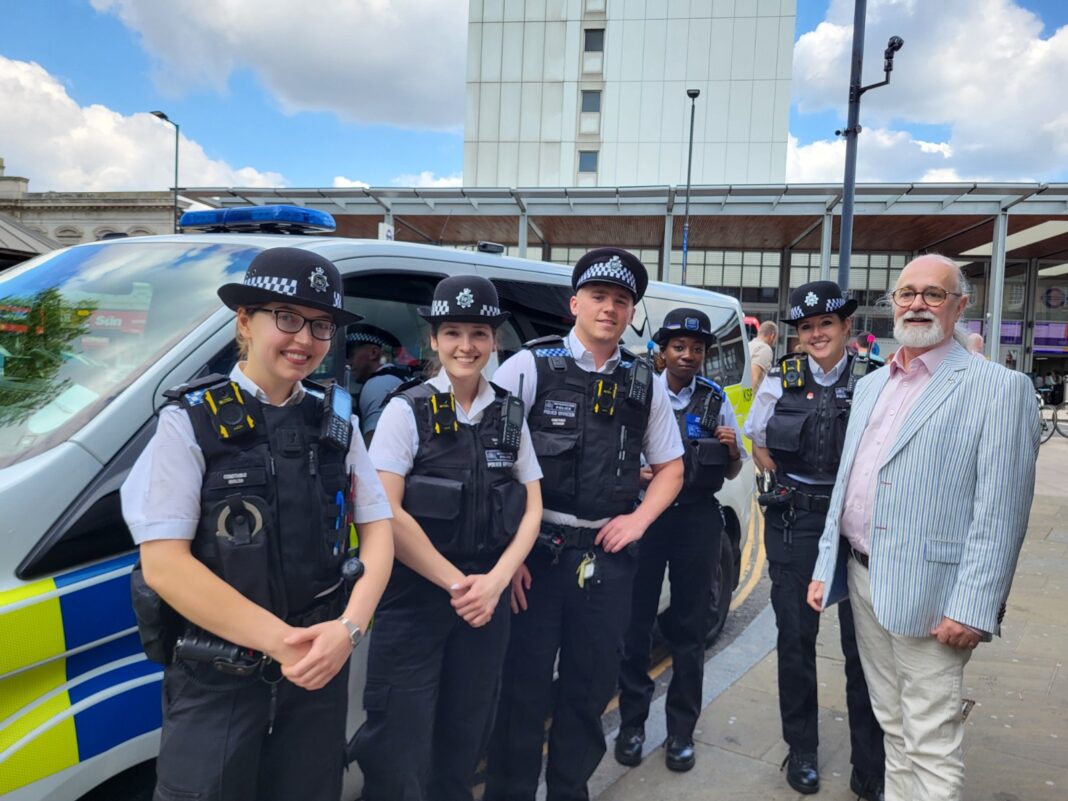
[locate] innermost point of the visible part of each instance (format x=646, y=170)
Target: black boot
x=801, y=772
x=867, y=788
x=629, y=746
x=680, y=754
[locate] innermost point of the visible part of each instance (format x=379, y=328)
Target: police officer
x=593, y=410
x=685, y=537
x=240, y=505
x=797, y=424
x=365, y=345
x=455, y=457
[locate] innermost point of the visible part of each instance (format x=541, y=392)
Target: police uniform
x=432, y=679
x=800, y=415
x=371, y=396
x=254, y=488
x=685, y=537
x=589, y=437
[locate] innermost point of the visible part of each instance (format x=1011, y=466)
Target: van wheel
x=719, y=600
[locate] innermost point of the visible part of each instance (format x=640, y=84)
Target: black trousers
x=685, y=540
x=215, y=745
x=585, y=626
x=792, y=553
x=432, y=686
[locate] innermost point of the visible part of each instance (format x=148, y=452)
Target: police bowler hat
x=464, y=299
x=291, y=275
x=611, y=266
x=684, y=322
x=816, y=298
x=367, y=334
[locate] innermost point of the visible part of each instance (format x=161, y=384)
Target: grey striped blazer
x=953, y=497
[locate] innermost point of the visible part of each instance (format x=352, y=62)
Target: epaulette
x=708, y=382
x=547, y=347
x=192, y=392
x=402, y=388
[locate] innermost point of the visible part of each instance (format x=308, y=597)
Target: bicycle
x=1053, y=417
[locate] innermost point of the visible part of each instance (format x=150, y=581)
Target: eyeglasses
x=289, y=322
x=932, y=296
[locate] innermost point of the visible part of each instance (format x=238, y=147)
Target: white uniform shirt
x=756, y=424
x=396, y=440
x=161, y=496
x=660, y=444
x=726, y=412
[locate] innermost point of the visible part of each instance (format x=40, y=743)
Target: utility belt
x=556, y=537
x=780, y=496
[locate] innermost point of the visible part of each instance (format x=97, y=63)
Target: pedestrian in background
x=761, y=350
x=932, y=499
x=685, y=541
x=457, y=464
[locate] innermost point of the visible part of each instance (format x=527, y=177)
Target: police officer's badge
x=811, y=299
x=318, y=280
x=465, y=299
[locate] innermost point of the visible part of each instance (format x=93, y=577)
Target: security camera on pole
x=845, y=243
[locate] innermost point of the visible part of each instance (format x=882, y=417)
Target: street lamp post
x=165, y=118
x=845, y=242
x=693, y=94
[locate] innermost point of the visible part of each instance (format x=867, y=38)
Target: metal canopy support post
x=825, y=246
x=996, y=289
x=523, y=228
x=665, y=254
x=1027, y=360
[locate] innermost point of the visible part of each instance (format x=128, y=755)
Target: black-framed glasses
x=932, y=296
x=289, y=322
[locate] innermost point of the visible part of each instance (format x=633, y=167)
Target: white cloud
x=884, y=156
x=979, y=67
x=396, y=62
x=341, y=182
x=427, y=178
x=61, y=146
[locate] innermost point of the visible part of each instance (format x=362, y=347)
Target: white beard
x=911, y=336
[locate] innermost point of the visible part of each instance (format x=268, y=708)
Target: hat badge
x=318, y=280
x=692, y=324
x=811, y=299
x=465, y=299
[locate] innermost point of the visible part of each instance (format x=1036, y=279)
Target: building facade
x=594, y=92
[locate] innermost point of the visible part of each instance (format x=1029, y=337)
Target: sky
x=371, y=92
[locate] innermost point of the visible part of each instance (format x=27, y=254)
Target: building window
x=591, y=101
x=594, y=40
x=587, y=161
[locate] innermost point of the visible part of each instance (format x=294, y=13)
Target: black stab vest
x=705, y=458
x=807, y=431
x=461, y=489
x=590, y=461
x=268, y=504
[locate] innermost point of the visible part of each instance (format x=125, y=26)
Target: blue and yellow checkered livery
x=74, y=682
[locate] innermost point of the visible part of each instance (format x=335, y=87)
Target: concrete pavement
x=1016, y=736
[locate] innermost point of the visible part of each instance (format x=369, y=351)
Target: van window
x=725, y=360
x=78, y=326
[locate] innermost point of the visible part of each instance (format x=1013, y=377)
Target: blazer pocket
x=948, y=551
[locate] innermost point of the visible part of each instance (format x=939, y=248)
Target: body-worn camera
x=793, y=373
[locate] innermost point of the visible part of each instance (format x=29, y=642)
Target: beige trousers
x=915, y=685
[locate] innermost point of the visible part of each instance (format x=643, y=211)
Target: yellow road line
x=747, y=551
x=758, y=566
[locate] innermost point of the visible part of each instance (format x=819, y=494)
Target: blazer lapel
x=860, y=414
x=943, y=384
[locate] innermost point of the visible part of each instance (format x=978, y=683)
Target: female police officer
x=238, y=505
x=455, y=457
x=797, y=424
x=686, y=537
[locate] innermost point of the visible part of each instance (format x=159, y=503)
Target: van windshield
x=79, y=325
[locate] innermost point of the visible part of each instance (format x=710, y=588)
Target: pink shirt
x=903, y=388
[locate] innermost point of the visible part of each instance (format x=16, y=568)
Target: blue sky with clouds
x=348, y=92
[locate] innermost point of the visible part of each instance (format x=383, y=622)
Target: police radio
x=860, y=366
x=336, y=427
x=512, y=419
x=793, y=373
x=641, y=378
x=710, y=415
x=226, y=409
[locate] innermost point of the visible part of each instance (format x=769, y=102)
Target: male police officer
x=364, y=346
x=593, y=409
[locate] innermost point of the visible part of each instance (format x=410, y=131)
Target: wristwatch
x=355, y=635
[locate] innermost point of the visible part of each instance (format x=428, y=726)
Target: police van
x=90, y=337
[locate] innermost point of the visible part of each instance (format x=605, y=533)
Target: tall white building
x=593, y=92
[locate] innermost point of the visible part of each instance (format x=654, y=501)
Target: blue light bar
x=268, y=219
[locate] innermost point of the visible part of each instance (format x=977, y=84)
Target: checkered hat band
x=490, y=311
x=609, y=271
x=283, y=286
x=834, y=304
x=370, y=339
x=796, y=312
x=439, y=307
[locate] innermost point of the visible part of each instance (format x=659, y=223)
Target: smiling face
x=463, y=348
x=276, y=358
x=823, y=337
x=684, y=357
x=920, y=326
x=602, y=313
